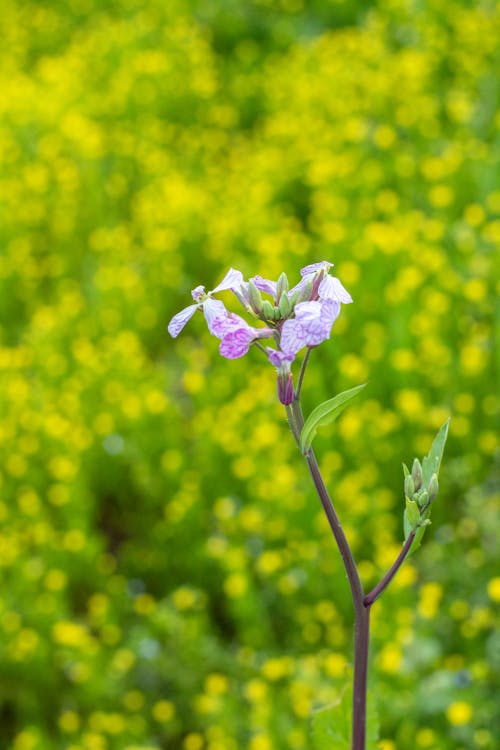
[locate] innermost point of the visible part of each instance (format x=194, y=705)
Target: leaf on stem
x=325, y=413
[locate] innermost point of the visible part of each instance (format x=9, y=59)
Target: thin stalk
x=380, y=587
x=302, y=373
x=362, y=612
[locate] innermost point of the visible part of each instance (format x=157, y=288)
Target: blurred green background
x=167, y=578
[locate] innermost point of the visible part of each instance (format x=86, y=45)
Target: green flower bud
x=422, y=498
x=305, y=293
x=277, y=313
x=267, y=310
x=409, y=487
x=284, y=305
x=416, y=472
x=433, y=488
x=281, y=286
x=255, y=298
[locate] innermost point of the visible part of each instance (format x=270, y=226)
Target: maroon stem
x=362, y=612
x=380, y=587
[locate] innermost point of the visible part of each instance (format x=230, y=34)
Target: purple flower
x=212, y=308
x=312, y=324
x=236, y=335
x=325, y=286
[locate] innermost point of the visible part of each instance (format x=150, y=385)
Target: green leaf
x=432, y=462
x=331, y=726
x=325, y=413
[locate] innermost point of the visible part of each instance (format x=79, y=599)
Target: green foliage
x=324, y=414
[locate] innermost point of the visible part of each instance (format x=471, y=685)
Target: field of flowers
x=167, y=577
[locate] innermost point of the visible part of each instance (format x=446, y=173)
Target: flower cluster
x=294, y=318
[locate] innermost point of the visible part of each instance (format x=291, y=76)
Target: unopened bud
x=422, y=498
x=286, y=392
x=416, y=472
x=304, y=293
x=255, y=298
x=284, y=305
x=433, y=488
x=409, y=487
x=268, y=310
x=282, y=285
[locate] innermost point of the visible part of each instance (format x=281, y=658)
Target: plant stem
x=362, y=612
x=380, y=587
x=302, y=373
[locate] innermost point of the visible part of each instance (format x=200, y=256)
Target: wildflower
x=212, y=309
x=312, y=324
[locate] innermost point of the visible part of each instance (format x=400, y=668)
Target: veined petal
x=179, y=321
x=305, y=311
x=264, y=285
x=212, y=310
x=236, y=343
x=313, y=267
x=332, y=288
x=231, y=280
x=278, y=358
x=228, y=323
x=293, y=337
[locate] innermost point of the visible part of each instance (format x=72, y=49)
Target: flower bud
x=255, y=298
x=433, y=488
x=286, y=392
x=422, y=498
x=276, y=313
x=268, y=310
x=284, y=305
x=304, y=293
x=416, y=472
x=281, y=286
x=409, y=487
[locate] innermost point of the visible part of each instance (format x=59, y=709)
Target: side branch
x=380, y=587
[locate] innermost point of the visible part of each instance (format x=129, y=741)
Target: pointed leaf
x=325, y=413
x=432, y=462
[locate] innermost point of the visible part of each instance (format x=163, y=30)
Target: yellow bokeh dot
x=235, y=585
x=193, y=741
x=133, y=700
x=163, y=711
x=260, y=742
x=216, y=683
x=459, y=713
x=69, y=722
x=425, y=737
x=494, y=589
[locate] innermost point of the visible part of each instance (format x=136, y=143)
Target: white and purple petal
x=313, y=267
x=264, y=285
x=213, y=309
x=179, y=321
x=332, y=288
x=232, y=280
x=236, y=343
x=278, y=358
x=293, y=337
